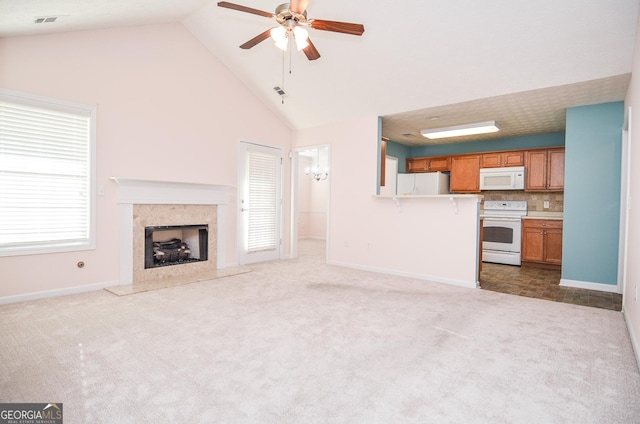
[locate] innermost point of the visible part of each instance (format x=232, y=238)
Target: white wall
x=167, y=110
x=426, y=240
x=631, y=300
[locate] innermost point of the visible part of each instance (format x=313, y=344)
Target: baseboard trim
x=590, y=286
x=634, y=341
x=430, y=278
x=55, y=293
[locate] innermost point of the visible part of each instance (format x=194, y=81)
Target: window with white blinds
x=263, y=198
x=46, y=175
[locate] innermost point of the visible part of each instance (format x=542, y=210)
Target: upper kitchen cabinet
x=416, y=164
x=465, y=174
x=429, y=164
x=545, y=170
x=502, y=159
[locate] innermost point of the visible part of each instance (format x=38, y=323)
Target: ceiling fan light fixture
x=282, y=44
x=279, y=36
x=301, y=35
x=460, y=130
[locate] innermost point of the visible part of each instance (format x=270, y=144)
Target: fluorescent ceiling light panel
x=460, y=130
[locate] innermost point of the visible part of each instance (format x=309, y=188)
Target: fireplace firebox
x=167, y=245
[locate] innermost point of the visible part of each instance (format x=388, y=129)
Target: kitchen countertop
x=543, y=215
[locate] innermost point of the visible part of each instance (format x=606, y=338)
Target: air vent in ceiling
x=45, y=19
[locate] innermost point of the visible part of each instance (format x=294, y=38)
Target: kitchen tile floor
x=542, y=284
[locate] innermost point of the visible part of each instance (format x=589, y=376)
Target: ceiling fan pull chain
x=283, y=57
x=290, y=50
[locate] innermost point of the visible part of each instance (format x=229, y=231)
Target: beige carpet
x=302, y=342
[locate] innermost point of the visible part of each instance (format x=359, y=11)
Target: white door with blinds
x=260, y=203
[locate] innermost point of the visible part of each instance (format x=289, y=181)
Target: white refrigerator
x=423, y=183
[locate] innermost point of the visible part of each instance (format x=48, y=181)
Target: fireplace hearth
x=168, y=245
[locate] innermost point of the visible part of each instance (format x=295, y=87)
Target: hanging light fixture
x=280, y=36
x=314, y=171
x=301, y=35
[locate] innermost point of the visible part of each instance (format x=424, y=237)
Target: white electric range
x=502, y=231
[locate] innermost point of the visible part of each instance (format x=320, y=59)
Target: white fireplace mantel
x=149, y=192
x=152, y=192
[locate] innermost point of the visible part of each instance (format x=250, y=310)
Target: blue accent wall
x=515, y=143
x=401, y=152
x=592, y=193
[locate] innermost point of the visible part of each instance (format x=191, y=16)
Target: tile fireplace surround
x=144, y=203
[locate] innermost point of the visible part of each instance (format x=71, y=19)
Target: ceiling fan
x=292, y=20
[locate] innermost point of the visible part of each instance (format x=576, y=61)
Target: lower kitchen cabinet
x=542, y=242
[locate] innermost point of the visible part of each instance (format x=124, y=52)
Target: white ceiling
x=521, y=62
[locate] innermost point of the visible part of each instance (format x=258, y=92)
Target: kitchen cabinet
x=545, y=170
x=429, y=164
x=465, y=174
x=542, y=242
x=440, y=163
x=417, y=165
x=502, y=159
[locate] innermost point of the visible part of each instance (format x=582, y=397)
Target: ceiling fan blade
x=298, y=6
x=344, y=27
x=257, y=39
x=244, y=9
x=311, y=51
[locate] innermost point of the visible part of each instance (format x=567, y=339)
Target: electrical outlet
x=546, y=204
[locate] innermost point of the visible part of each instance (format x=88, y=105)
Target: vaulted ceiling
x=419, y=63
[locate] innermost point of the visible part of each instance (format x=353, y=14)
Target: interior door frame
x=294, y=155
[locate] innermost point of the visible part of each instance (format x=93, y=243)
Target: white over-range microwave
x=511, y=178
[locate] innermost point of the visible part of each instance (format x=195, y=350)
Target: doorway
x=259, y=203
x=311, y=175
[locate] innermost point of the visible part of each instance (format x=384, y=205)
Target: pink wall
x=426, y=240
x=167, y=110
x=631, y=296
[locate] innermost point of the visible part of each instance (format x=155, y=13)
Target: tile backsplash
x=535, y=200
